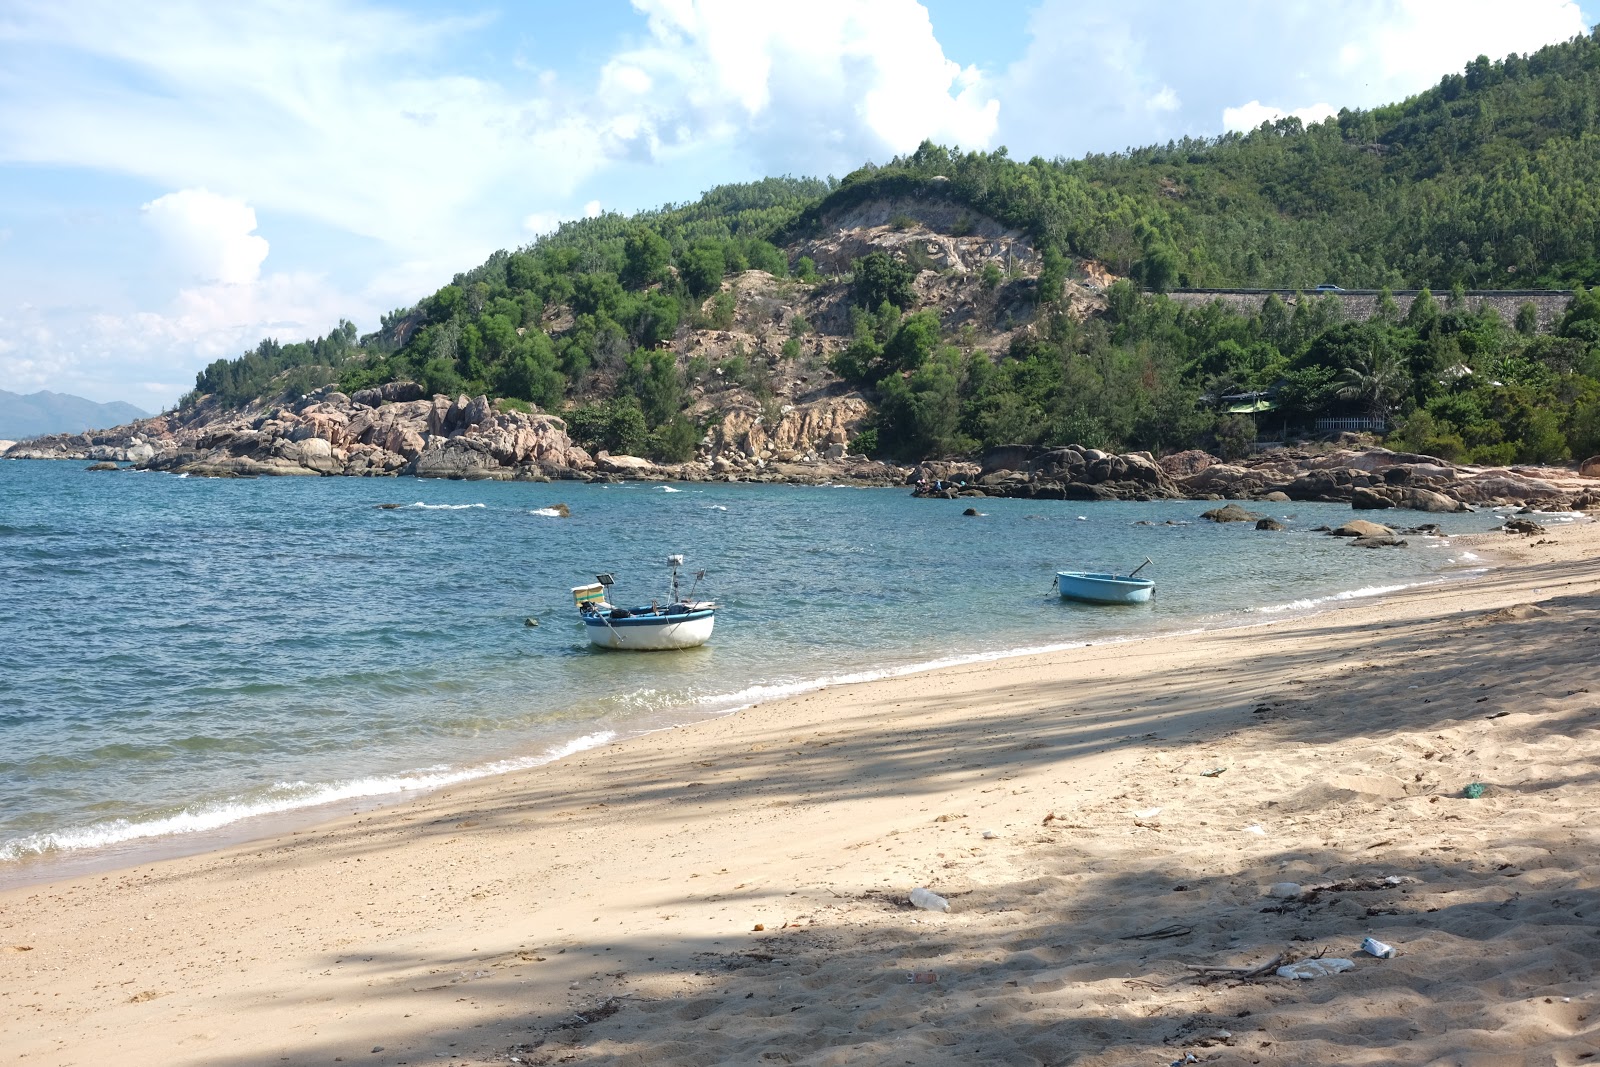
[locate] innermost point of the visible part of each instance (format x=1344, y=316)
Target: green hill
x=1485, y=180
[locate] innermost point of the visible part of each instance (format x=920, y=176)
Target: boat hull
x=1090, y=588
x=650, y=633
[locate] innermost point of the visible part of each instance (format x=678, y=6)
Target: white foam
x=444, y=507
x=716, y=507
x=1307, y=603
x=277, y=799
x=549, y=513
x=668, y=489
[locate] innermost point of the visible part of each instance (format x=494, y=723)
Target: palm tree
x=1377, y=379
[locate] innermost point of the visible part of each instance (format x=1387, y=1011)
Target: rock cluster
x=1070, y=473
x=1366, y=479
x=388, y=431
x=1369, y=479
x=396, y=430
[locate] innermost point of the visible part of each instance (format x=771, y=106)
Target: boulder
x=1419, y=499
x=1377, y=542
x=1369, y=500
x=1361, y=528
x=1525, y=527
x=1269, y=524
x=1589, y=468
x=460, y=457
x=1182, y=465
x=1275, y=497
x=622, y=464
x=102, y=467
x=1231, y=513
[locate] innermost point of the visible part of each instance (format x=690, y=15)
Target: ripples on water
x=179, y=653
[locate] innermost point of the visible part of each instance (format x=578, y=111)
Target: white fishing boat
x=1093, y=587
x=680, y=622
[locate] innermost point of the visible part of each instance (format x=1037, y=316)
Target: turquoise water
x=180, y=657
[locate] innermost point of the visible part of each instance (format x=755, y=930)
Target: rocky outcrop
x=1372, y=479
x=388, y=431
x=807, y=432
x=1070, y=473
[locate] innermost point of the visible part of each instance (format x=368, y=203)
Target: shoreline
x=42, y=868
x=733, y=888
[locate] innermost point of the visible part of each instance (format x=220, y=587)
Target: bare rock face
x=800, y=430
x=1589, y=468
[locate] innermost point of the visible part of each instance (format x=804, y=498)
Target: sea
x=190, y=662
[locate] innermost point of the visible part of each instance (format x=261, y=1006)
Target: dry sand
x=734, y=892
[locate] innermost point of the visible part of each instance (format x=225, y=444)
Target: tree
x=880, y=279
x=702, y=267
x=1374, y=379
x=645, y=256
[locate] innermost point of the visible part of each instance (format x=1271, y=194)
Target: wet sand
x=1101, y=821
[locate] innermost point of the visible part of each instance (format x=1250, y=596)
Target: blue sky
x=181, y=178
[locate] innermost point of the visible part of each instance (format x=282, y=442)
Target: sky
x=179, y=179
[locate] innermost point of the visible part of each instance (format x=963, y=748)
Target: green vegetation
x=1483, y=181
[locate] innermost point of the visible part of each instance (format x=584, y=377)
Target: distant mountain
x=38, y=413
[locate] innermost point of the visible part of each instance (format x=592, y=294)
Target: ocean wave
x=549, y=513
x=1307, y=603
x=716, y=507
x=668, y=489
x=278, y=799
x=443, y=507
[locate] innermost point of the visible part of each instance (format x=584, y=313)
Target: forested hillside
x=1486, y=180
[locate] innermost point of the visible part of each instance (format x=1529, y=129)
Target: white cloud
x=211, y=235
x=1093, y=77
x=149, y=358
x=825, y=86
x=359, y=119
x=591, y=210
x=1247, y=117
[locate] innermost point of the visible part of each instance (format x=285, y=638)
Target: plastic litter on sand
x=921, y=978
x=1308, y=969
x=1373, y=947
x=1286, y=890
x=928, y=900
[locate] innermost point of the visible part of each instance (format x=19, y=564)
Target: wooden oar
x=1140, y=567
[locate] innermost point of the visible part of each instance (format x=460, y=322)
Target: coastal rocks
x=1378, y=542
x=1589, y=468
x=1181, y=465
x=1525, y=527
x=1070, y=473
x=622, y=464
x=102, y=467
x=1230, y=513
x=466, y=458
x=1269, y=524
x=1363, y=499
x=1361, y=528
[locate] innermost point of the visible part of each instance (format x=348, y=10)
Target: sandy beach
x=1103, y=822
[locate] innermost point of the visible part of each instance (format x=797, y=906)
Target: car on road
x=1329, y=287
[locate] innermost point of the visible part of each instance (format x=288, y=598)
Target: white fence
x=1352, y=425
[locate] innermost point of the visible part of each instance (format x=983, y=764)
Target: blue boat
x=1093, y=587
